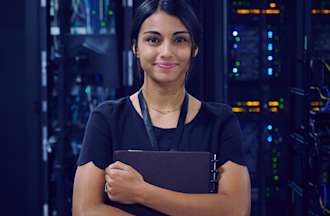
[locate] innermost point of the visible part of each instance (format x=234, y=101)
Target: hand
x=125, y=184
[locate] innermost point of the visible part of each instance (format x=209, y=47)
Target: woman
x=165, y=39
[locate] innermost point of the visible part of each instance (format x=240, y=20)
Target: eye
x=181, y=40
x=153, y=40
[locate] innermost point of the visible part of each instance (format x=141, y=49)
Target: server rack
x=309, y=168
x=82, y=47
x=257, y=91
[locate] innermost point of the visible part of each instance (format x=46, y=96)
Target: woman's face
x=164, y=48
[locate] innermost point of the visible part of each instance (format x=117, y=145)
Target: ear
x=134, y=49
x=195, y=52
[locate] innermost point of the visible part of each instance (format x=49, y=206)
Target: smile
x=166, y=65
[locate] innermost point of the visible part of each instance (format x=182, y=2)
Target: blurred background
x=268, y=59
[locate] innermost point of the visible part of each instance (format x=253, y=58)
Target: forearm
x=100, y=210
x=174, y=203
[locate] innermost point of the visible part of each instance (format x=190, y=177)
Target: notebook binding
x=214, y=174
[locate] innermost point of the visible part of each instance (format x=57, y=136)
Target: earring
x=195, y=52
x=135, y=53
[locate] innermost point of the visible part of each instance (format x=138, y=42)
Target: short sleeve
x=96, y=145
x=230, y=148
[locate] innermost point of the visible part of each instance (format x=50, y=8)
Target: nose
x=166, y=50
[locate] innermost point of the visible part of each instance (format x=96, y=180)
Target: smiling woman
x=166, y=48
x=161, y=116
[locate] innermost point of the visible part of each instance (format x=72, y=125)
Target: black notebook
x=187, y=172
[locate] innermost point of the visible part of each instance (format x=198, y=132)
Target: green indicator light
x=274, y=166
x=88, y=90
x=237, y=63
x=110, y=13
x=103, y=24
x=281, y=100
x=276, y=178
x=274, y=159
x=281, y=106
x=93, y=12
x=237, y=39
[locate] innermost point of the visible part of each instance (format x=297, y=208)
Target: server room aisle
x=267, y=59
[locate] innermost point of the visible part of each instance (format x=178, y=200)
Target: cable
x=320, y=92
x=327, y=105
x=320, y=188
x=327, y=66
x=324, y=209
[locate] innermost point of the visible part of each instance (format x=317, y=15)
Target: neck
x=163, y=99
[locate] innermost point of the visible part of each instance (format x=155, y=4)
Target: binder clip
x=214, y=175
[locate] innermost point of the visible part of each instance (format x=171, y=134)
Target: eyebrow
x=175, y=33
x=181, y=32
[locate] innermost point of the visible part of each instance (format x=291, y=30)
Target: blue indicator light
x=235, y=33
x=270, y=47
x=269, y=138
x=270, y=34
x=235, y=46
x=270, y=71
x=269, y=127
x=235, y=70
x=270, y=58
x=88, y=90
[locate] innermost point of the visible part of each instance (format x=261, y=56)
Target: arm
x=233, y=197
x=88, y=193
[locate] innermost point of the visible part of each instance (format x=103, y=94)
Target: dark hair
x=178, y=8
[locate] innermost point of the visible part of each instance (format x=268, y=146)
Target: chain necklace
x=165, y=111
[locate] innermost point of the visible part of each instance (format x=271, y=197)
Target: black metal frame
x=299, y=111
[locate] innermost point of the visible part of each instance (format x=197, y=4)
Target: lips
x=166, y=65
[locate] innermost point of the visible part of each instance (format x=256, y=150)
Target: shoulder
x=110, y=112
x=218, y=110
x=110, y=108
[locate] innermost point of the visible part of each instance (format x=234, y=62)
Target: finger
x=115, y=174
x=107, y=178
x=112, y=197
x=110, y=169
x=115, y=165
x=119, y=165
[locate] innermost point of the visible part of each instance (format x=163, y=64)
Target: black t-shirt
x=116, y=125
